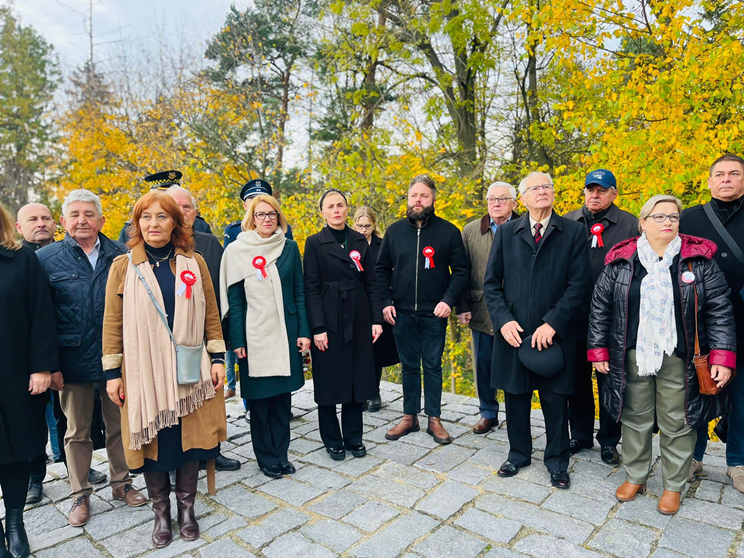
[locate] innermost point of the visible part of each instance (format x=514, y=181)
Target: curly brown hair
x=181, y=237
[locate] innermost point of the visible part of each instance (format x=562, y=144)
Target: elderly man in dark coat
x=535, y=281
x=605, y=225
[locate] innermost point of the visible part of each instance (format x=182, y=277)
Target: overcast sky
x=64, y=22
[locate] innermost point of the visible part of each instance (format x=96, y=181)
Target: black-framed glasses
x=364, y=227
x=661, y=217
x=262, y=216
x=500, y=201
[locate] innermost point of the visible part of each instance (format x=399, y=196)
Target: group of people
x=150, y=325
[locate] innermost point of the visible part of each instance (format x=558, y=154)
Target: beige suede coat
x=205, y=427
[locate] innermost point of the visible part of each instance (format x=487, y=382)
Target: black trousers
x=37, y=465
x=581, y=405
x=555, y=412
x=270, y=428
x=351, y=423
x=14, y=482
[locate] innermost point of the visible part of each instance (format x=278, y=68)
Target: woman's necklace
x=159, y=260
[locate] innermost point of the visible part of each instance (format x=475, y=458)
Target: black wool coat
x=28, y=344
x=535, y=284
x=343, y=302
x=386, y=351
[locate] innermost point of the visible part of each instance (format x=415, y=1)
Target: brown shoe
x=669, y=502
x=129, y=495
x=229, y=393
x=408, y=424
x=483, y=426
x=627, y=491
x=80, y=511
x=437, y=431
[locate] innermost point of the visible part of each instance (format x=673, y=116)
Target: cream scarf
x=265, y=329
x=155, y=400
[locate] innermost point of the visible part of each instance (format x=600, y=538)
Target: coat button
x=724, y=254
x=351, y=266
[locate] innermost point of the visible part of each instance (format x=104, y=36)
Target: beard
x=421, y=214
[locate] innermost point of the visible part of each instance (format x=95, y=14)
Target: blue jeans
x=52, y=424
x=483, y=352
x=230, y=363
x=420, y=340
x=735, y=440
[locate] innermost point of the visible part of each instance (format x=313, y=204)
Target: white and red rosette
x=188, y=279
x=259, y=262
x=597, y=231
x=357, y=258
x=428, y=253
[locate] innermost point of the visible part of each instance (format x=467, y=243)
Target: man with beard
x=422, y=271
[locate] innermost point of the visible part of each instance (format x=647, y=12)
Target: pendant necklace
x=159, y=260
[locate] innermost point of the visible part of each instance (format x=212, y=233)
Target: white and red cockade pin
x=187, y=280
x=429, y=254
x=259, y=262
x=357, y=257
x=688, y=277
x=597, y=231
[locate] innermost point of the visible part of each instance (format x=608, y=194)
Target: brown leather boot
x=408, y=424
x=627, y=491
x=80, y=511
x=186, y=478
x=437, y=431
x=669, y=502
x=158, y=488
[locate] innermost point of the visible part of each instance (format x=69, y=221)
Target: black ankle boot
x=15, y=533
x=3, y=550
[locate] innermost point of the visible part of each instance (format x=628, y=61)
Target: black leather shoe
x=287, y=468
x=508, y=469
x=337, y=454
x=94, y=477
x=15, y=534
x=374, y=404
x=273, y=472
x=33, y=496
x=222, y=463
x=577, y=445
x=357, y=450
x=610, y=455
x=560, y=479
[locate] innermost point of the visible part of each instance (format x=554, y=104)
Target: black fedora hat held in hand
x=546, y=363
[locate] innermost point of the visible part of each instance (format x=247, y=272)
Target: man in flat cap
x=164, y=181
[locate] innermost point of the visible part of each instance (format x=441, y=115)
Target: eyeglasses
x=364, y=227
x=261, y=216
x=499, y=200
x=661, y=217
x=538, y=188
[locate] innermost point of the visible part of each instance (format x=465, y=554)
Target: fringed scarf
x=155, y=400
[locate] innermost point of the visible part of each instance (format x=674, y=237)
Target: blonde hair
x=248, y=225
x=369, y=213
x=648, y=207
x=7, y=231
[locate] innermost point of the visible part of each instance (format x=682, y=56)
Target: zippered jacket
x=608, y=323
x=418, y=268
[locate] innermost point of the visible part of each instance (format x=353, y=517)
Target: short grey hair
x=522, y=187
x=183, y=191
x=512, y=190
x=82, y=196
x=652, y=202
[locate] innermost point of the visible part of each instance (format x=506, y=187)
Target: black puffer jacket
x=608, y=323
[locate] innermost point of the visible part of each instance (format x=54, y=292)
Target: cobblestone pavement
x=407, y=498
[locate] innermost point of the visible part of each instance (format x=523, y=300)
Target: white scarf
x=265, y=329
x=657, y=328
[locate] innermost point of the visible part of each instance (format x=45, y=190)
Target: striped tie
x=538, y=234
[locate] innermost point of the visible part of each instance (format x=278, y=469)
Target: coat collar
x=524, y=229
x=354, y=239
x=612, y=215
x=6, y=253
x=139, y=254
x=107, y=246
x=485, y=222
x=692, y=247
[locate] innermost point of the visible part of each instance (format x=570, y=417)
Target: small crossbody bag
x=188, y=359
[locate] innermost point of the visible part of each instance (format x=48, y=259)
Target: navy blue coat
x=78, y=295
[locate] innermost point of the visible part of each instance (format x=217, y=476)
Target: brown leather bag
x=707, y=384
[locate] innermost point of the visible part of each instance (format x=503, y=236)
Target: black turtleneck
x=164, y=275
x=339, y=236
x=725, y=209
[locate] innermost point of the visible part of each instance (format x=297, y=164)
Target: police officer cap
x=164, y=180
x=255, y=187
x=546, y=363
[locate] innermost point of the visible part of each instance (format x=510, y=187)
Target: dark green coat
x=289, y=265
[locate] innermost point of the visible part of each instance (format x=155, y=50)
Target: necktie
x=538, y=234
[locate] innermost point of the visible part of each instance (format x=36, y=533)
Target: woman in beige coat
x=167, y=424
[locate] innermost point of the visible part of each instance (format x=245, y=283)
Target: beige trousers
x=77, y=401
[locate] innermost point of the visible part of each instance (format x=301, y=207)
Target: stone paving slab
x=411, y=498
